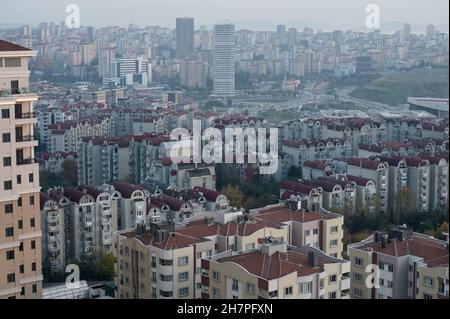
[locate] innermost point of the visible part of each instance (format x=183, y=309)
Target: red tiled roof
x=363, y=162
x=8, y=46
x=296, y=187
x=126, y=189
x=361, y=181
x=275, y=266
x=434, y=252
x=210, y=195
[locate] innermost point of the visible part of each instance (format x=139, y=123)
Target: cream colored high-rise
x=20, y=226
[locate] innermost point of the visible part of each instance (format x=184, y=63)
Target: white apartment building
x=224, y=47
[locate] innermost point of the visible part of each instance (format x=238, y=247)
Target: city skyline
x=261, y=17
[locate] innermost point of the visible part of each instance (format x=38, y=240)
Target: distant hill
x=396, y=87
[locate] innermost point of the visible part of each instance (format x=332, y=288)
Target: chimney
x=383, y=242
x=313, y=259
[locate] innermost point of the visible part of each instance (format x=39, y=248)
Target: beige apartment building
x=148, y=257
x=411, y=266
x=275, y=271
x=20, y=233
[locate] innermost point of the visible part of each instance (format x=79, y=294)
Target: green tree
x=234, y=195
x=70, y=171
x=402, y=204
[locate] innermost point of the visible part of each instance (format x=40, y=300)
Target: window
x=380, y=296
x=166, y=278
x=5, y=114
x=307, y=232
x=332, y=279
x=315, y=231
x=306, y=288
x=21, y=246
x=250, y=288
x=183, y=276
x=391, y=268
x=427, y=296
x=12, y=62
x=334, y=229
x=31, y=200
x=183, y=292
x=357, y=292
x=34, y=288
x=32, y=222
x=33, y=244
x=31, y=178
x=183, y=261
x=359, y=262
x=21, y=269
x=6, y=137
x=358, y=277
x=10, y=255
x=199, y=255
x=333, y=243
x=288, y=291
x=390, y=284
x=20, y=224
x=321, y=283
x=19, y=202
x=22, y=291
x=7, y=161
x=332, y=295
x=9, y=232
x=33, y=267
x=216, y=275
x=8, y=208
x=19, y=179
x=235, y=285
x=165, y=262
x=428, y=281
x=166, y=294
x=216, y=293
x=7, y=185
x=11, y=278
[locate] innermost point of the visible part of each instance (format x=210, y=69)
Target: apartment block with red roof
x=411, y=266
x=275, y=271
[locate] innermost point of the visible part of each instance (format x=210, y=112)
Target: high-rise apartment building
x=185, y=37
x=105, y=57
x=20, y=233
x=224, y=60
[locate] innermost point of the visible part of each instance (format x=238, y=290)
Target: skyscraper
x=406, y=31
x=185, y=37
x=224, y=60
x=105, y=58
x=20, y=223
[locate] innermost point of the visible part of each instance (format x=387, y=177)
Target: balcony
x=106, y=221
x=28, y=161
x=27, y=115
x=27, y=139
x=53, y=249
x=52, y=218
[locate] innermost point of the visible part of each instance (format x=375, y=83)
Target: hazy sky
x=327, y=13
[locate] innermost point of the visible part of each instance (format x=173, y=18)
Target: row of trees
x=99, y=267
x=253, y=195
x=68, y=176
